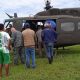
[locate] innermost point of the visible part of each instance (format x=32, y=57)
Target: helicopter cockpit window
x=68, y=26
x=79, y=26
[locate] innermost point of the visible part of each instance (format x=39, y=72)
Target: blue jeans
x=49, y=49
x=30, y=52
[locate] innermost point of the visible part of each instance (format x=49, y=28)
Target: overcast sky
x=31, y=7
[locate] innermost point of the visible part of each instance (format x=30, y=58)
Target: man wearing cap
x=29, y=43
x=48, y=37
x=4, y=50
x=8, y=29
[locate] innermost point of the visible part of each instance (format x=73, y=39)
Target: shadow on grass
x=69, y=50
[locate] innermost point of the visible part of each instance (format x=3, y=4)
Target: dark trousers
x=19, y=51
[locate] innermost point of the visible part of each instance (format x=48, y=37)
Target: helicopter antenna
x=15, y=15
x=9, y=15
x=47, y=5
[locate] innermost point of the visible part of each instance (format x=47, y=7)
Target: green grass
x=66, y=66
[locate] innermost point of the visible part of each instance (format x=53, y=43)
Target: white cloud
x=27, y=7
x=17, y=3
x=66, y=3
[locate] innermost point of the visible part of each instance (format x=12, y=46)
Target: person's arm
x=42, y=35
x=22, y=40
x=9, y=44
x=35, y=38
x=55, y=35
x=8, y=41
x=13, y=37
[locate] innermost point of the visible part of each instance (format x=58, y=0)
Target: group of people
x=23, y=44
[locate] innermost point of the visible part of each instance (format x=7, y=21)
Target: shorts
x=4, y=57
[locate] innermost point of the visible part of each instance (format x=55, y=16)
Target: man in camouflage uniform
x=17, y=42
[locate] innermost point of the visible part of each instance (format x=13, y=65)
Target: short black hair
x=26, y=25
x=1, y=26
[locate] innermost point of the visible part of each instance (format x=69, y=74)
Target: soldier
x=39, y=39
x=17, y=43
x=29, y=43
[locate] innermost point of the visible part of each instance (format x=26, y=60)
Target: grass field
x=66, y=66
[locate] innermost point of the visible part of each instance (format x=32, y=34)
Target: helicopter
x=67, y=26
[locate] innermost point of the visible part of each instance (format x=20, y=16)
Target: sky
x=31, y=7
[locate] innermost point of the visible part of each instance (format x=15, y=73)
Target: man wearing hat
x=8, y=29
x=29, y=44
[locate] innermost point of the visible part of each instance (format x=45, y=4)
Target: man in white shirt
x=4, y=50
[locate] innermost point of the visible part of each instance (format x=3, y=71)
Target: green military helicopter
x=68, y=26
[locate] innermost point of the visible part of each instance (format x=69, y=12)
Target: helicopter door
x=77, y=31
x=66, y=32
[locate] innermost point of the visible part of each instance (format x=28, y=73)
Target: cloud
x=66, y=3
x=22, y=7
x=31, y=7
x=11, y=4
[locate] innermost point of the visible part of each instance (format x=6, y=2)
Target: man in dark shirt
x=48, y=37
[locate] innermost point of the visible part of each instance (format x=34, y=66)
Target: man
x=17, y=43
x=8, y=29
x=48, y=37
x=29, y=43
x=4, y=50
x=39, y=39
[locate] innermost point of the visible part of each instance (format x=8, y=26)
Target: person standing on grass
x=48, y=37
x=4, y=50
x=29, y=44
x=17, y=42
x=39, y=39
x=8, y=29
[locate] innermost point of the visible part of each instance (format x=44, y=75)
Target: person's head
x=47, y=25
x=13, y=29
x=52, y=22
x=1, y=26
x=10, y=26
x=39, y=25
x=26, y=25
